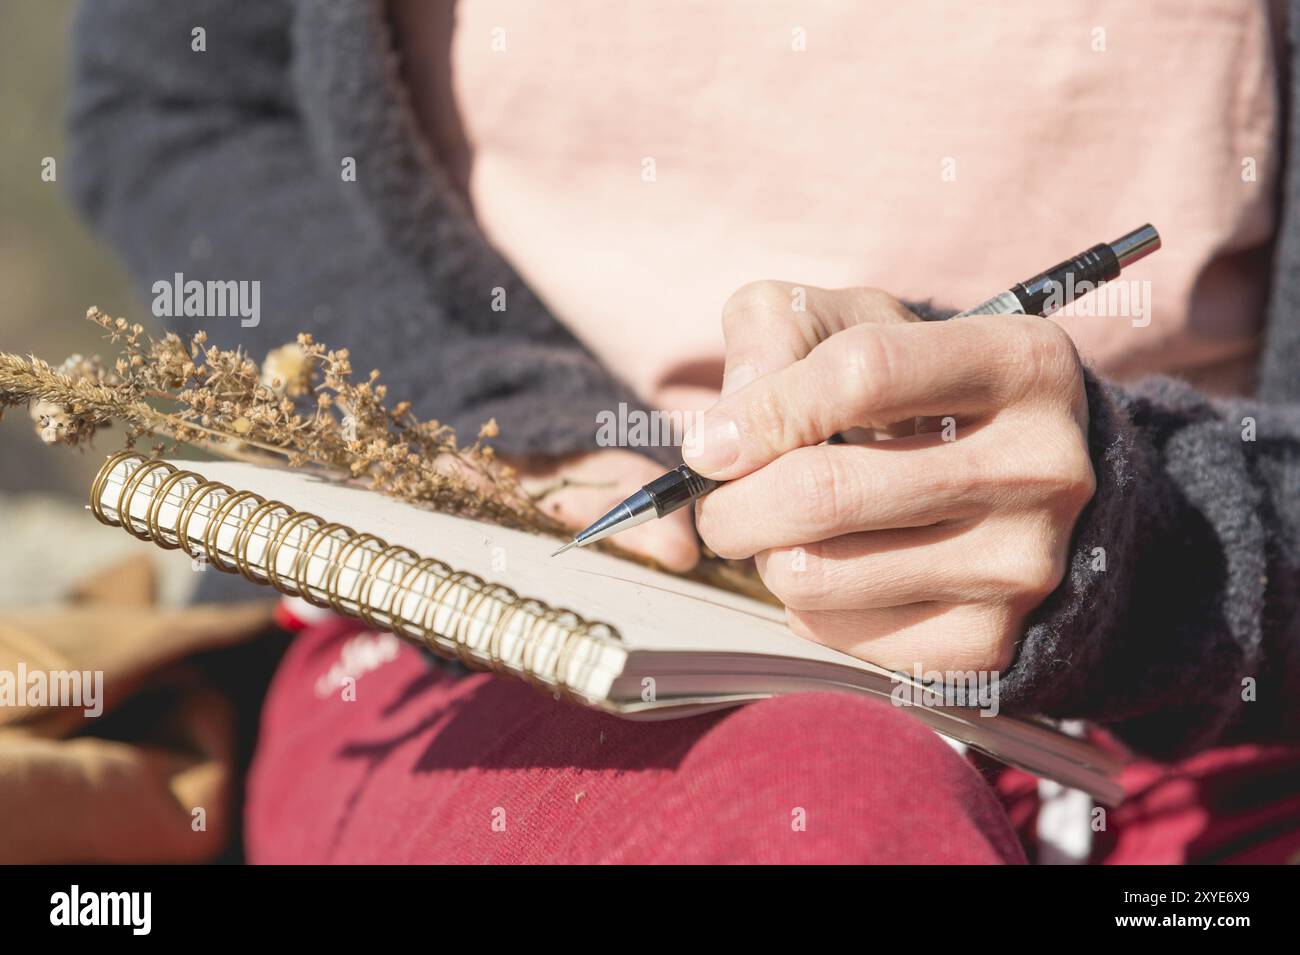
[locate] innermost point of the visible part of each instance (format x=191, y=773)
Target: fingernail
x=713, y=443
x=738, y=377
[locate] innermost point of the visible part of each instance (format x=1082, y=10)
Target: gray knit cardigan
x=226, y=164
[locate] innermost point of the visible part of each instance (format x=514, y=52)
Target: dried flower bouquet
x=300, y=408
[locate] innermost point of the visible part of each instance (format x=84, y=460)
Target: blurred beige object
x=50, y=544
x=159, y=792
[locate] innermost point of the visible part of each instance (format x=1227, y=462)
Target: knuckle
x=795, y=576
x=1050, y=465
x=736, y=320
x=991, y=643
x=766, y=422
x=802, y=624
x=823, y=487
x=862, y=368
x=715, y=530
x=1072, y=482
x=877, y=305
x=981, y=638
x=1047, y=355
x=762, y=296
x=968, y=475
x=997, y=651
x=1030, y=572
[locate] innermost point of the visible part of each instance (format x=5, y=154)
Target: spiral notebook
x=586, y=627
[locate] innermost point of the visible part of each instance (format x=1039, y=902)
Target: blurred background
x=51, y=271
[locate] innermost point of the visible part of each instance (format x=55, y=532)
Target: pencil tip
x=557, y=553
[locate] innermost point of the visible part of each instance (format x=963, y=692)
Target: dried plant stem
x=301, y=408
x=23, y=379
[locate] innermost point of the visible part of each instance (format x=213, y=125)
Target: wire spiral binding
x=416, y=589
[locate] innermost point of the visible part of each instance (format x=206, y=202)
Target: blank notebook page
x=649, y=609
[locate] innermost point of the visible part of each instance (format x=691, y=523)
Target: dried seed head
x=223, y=401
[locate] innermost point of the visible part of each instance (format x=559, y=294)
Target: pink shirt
x=638, y=162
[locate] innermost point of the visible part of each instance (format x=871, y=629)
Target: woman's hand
x=927, y=548
x=582, y=487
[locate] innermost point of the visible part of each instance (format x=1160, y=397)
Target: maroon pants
x=369, y=755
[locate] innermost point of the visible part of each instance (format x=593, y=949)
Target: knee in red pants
x=423, y=767
x=828, y=777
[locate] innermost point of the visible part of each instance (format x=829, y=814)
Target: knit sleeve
x=199, y=148
x=1177, y=624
